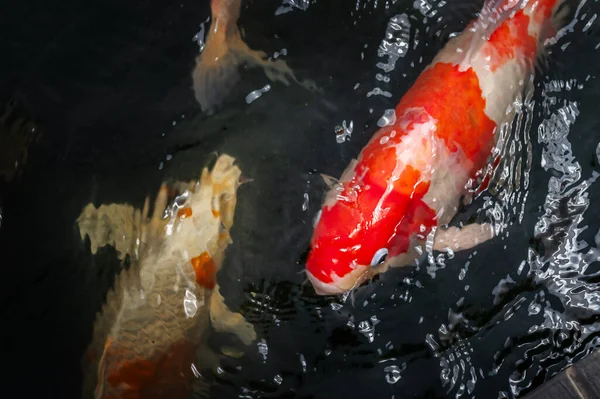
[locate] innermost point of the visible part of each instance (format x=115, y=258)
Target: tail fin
x=216, y=71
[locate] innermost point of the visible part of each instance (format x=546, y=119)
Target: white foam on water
x=256, y=94
x=379, y=92
x=395, y=43
x=388, y=118
x=200, y=36
x=343, y=132
x=291, y=5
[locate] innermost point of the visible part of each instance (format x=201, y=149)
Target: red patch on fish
x=205, y=269
x=350, y=220
x=185, y=212
x=166, y=375
x=419, y=219
x=467, y=128
x=411, y=183
x=510, y=38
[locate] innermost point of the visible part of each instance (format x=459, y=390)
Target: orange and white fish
x=217, y=66
x=150, y=340
x=407, y=182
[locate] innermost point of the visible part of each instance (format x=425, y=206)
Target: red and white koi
x=408, y=180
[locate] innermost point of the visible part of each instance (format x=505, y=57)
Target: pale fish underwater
x=150, y=340
x=216, y=71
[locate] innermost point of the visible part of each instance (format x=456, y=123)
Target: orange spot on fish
x=185, y=212
x=205, y=269
x=223, y=235
x=381, y=161
x=509, y=40
x=411, y=184
x=419, y=220
x=216, y=213
x=165, y=375
x=454, y=99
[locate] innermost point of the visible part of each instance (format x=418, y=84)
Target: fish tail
x=217, y=67
x=216, y=71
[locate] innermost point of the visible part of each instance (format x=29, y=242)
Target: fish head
x=356, y=237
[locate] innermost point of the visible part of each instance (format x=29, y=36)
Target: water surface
x=110, y=86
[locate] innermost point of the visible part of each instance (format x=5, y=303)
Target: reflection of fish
x=217, y=66
x=408, y=180
x=17, y=132
x=161, y=307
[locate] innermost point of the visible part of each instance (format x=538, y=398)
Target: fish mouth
x=340, y=285
x=322, y=288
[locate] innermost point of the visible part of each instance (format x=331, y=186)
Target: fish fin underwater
x=462, y=238
x=217, y=67
x=224, y=320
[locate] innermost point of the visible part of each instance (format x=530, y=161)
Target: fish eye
x=379, y=257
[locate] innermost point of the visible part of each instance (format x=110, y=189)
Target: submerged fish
x=150, y=340
x=406, y=185
x=217, y=66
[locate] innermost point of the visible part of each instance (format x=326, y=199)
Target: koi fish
x=150, y=340
x=406, y=185
x=216, y=71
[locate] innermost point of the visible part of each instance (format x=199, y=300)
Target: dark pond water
x=109, y=85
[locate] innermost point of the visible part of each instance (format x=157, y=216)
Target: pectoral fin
x=224, y=320
x=111, y=224
x=466, y=237
x=330, y=181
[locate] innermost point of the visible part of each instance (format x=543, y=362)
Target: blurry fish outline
x=216, y=70
x=145, y=336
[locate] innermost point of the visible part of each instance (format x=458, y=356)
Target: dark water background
x=109, y=83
